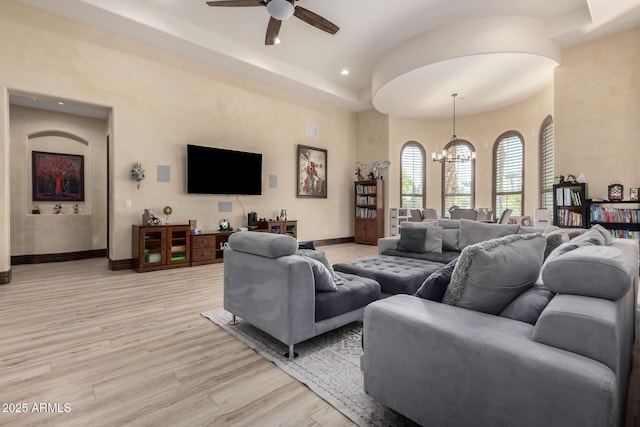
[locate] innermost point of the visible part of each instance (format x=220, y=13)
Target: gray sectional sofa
x=403, y=272
x=457, y=363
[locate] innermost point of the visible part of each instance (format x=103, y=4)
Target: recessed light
x=344, y=72
x=60, y=103
x=277, y=41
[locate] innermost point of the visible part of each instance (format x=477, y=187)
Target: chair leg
x=291, y=354
x=234, y=321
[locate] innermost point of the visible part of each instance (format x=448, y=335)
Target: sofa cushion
x=396, y=275
x=594, y=271
x=450, y=238
x=489, y=275
x=264, y=244
x=589, y=238
x=606, y=234
x=322, y=257
x=433, y=240
x=322, y=278
x=528, y=306
x=412, y=239
x=434, y=287
x=472, y=232
x=357, y=292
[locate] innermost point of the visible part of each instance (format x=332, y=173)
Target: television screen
x=219, y=171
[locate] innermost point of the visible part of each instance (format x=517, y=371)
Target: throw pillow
x=412, y=240
x=528, y=306
x=322, y=257
x=589, y=238
x=472, y=232
x=307, y=245
x=554, y=239
x=489, y=275
x=433, y=241
x=605, y=233
x=436, y=284
x=321, y=276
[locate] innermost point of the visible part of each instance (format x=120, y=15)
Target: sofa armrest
x=444, y=365
x=387, y=243
x=276, y=295
x=596, y=328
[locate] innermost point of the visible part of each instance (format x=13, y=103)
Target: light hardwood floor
x=131, y=348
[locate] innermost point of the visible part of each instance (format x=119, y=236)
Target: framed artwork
x=634, y=193
x=57, y=177
x=312, y=172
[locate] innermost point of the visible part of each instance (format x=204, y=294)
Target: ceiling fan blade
x=273, y=28
x=237, y=3
x=315, y=20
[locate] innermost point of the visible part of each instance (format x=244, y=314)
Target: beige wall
x=597, y=105
x=481, y=130
x=49, y=233
x=162, y=102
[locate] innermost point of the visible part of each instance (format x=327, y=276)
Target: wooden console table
x=279, y=227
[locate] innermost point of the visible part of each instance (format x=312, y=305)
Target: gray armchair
x=430, y=213
x=272, y=288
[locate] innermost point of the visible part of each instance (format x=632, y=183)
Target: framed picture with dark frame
x=312, y=172
x=57, y=177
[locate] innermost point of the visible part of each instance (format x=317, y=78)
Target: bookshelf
x=621, y=218
x=369, y=211
x=570, y=205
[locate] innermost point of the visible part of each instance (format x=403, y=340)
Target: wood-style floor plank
x=127, y=348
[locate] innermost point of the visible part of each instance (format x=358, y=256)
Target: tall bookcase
x=570, y=205
x=369, y=214
x=621, y=218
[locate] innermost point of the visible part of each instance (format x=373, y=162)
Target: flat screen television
x=218, y=171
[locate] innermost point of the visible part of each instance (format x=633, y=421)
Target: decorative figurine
x=57, y=208
x=36, y=209
x=76, y=209
x=137, y=173
x=148, y=218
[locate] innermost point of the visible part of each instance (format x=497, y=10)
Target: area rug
x=328, y=364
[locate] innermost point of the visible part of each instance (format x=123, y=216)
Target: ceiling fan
x=279, y=11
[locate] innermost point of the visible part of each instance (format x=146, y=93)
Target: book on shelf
x=366, y=213
x=366, y=189
x=569, y=218
x=608, y=214
x=366, y=200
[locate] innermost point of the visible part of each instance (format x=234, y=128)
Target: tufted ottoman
x=396, y=275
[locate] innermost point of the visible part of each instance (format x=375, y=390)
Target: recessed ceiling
x=309, y=61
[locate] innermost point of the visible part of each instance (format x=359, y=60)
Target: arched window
x=508, y=173
x=546, y=163
x=458, y=178
x=412, y=176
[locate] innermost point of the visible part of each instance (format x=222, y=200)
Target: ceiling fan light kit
x=280, y=9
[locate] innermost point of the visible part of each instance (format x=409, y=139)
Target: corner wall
x=597, y=123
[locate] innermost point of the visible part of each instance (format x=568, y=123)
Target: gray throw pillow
x=554, y=239
x=605, y=233
x=528, y=306
x=472, y=232
x=489, y=275
x=434, y=287
x=412, y=240
x=589, y=238
x=322, y=257
x=433, y=240
x=321, y=276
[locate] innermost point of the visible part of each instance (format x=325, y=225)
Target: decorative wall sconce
x=137, y=173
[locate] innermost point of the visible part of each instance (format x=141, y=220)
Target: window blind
x=508, y=162
x=546, y=163
x=412, y=170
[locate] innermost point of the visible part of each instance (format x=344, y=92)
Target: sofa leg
x=291, y=354
x=234, y=321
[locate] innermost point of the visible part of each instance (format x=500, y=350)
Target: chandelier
x=454, y=155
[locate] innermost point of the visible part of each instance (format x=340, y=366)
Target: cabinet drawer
x=198, y=242
x=203, y=254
